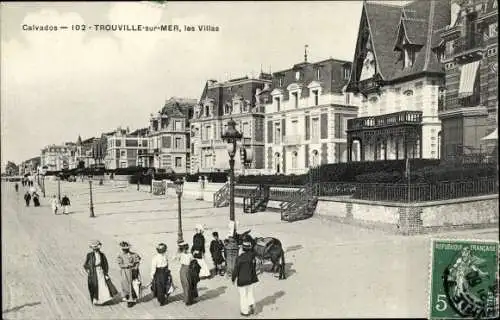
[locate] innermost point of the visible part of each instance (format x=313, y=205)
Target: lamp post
x=91, y=200
x=179, y=184
x=44, y=172
x=231, y=136
x=59, y=187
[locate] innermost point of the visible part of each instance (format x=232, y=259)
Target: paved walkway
x=334, y=270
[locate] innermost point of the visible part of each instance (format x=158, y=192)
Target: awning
x=492, y=136
x=467, y=79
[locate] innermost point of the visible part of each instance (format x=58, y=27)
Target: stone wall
x=413, y=218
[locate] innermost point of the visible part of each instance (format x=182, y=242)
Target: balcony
x=292, y=140
x=468, y=48
x=386, y=120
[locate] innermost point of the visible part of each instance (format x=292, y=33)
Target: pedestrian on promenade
x=217, y=252
x=101, y=289
x=65, y=203
x=36, y=199
x=245, y=272
x=27, y=198
x=198, y=251
x=188, y=273
x=161, y=283
x=16, y=186
x=129, y=264
x=32, y=189
x=54, y=204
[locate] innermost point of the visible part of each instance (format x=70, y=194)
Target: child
x=65, y=203
x=217, y=251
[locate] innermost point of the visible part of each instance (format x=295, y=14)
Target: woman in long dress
x=160, y=274
x=198, y=251
x=96, y=266
x=188, y=280
x=129, y=264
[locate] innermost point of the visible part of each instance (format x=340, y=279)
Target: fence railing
x=419, y=192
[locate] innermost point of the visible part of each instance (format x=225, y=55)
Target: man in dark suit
x=245, y=272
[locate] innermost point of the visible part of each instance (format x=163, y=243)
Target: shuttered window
x=307, y=156
x=308, y=124
x=283, y=124
x=269, y=132
x=166, y=142
x=337, y=125
x=324, y=126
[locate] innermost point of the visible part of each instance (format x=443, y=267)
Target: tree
x=11, y=169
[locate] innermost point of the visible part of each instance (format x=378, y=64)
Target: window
x=316, y=97
x=315, y=158
x=347, y=72
x=280, y=81
x=131, y=143
x=246, y=130
x=178, y=143
x=317, y=74
x=296, y=99
x=208, y=132
x=144, y=143
x=297, y=75
x=294, y=160
x=118, y=143
x=208, y=161
x=207, y=111
x=278, y=103
x=315, y=128
x=178, y=125
x=178, y=162
x=347, y=98
x=123, y=153
x=493, y=29
x=409, y=57
x=277, y=133
x=294, y=127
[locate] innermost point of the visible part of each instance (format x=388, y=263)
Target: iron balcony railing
x=391, y=119
x=468, y=43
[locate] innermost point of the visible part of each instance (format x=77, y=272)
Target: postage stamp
x=464, y=279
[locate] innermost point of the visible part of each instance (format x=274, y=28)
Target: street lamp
x=231, y=136
x=91, y=201
x=44, y=172
x=179, y=184
x=59, y=187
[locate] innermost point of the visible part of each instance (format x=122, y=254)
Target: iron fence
x=425, y=191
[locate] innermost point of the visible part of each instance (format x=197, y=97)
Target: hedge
x=347, y=172
x=294, y=180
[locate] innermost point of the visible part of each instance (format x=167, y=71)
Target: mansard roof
x=381, y=23
x=331, y=76
x=139, y=132
x=178, y=107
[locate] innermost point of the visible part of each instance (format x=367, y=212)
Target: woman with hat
x=245, y=272
x=161, y=278
x=188, y=273
x=198, y=251
x=129, y=264
x=96, y=265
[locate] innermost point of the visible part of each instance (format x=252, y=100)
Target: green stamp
x=464, y=279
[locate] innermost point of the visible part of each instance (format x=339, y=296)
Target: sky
x=56, y=85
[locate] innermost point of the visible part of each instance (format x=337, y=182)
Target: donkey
x=267, y=248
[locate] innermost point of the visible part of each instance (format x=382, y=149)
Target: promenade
x=334, y=270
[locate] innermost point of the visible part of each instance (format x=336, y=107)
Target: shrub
x=274, y=179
